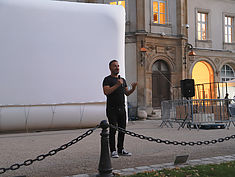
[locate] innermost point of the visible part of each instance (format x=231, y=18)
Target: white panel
x=54, y=51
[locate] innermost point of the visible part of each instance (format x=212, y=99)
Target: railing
x=206, y=91
x=198, y=112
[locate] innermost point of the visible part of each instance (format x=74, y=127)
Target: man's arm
x=128, y=92
x=108, y=90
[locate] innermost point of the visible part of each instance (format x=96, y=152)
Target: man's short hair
x=112, y=62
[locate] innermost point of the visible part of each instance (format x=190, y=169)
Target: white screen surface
x=54, y=51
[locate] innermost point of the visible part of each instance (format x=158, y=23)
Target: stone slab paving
x=157, y=167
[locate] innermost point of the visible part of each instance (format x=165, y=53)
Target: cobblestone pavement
x=83, y=157
x=132, y=171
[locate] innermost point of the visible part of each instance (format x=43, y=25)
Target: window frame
x=228, y=38
x=225, y=77
x=166, y=12
x=201, y=23
x=232, y=15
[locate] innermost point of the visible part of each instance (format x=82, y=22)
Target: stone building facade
x=215, y=45
x=160, y=68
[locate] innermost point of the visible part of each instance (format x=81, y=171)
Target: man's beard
x=116, y=72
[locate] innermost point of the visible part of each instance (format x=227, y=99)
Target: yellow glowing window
x=122, y=3
x=159, y=11
x=155, y=6
x=162, y=7
x=155, y=12
x=113, y=3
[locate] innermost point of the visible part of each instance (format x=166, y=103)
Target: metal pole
x=105, y=167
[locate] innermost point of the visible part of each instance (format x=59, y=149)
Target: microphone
x=119, y=77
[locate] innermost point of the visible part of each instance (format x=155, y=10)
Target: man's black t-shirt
x=116, y=98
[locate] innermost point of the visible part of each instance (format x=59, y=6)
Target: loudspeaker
x=187, y=88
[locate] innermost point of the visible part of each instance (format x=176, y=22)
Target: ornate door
x=160, y=83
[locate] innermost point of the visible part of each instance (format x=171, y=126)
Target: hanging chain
x=50, y=153
x=182, y=143
x=90, y=131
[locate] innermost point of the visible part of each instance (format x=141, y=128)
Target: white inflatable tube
x=57, y=53
x=27, y=118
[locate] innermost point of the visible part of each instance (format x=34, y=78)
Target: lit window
x=226, y=73
x=228, y=27
x=202, y=26
x=159, y=11
x=122, y=3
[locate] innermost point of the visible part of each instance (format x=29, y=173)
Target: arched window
x=226, y=73
x=160, y=66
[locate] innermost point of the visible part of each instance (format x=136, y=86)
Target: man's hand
x=134, y=84
x=119, y=82
x=128, y=92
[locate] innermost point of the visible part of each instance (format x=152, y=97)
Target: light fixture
x=192, y=53
x=142, y=53
x=188, y=49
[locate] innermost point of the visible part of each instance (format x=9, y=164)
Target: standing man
x=227, y=102
x=114, y=88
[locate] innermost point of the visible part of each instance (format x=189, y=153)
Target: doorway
x=160, y=83
x=203, y=76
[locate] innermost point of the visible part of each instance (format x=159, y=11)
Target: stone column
x=140, y=74
x=140, y=15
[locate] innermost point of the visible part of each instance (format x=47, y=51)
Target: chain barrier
x=50, y=153
x=133, y=134
x=167, y=142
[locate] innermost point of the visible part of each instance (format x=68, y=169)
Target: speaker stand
x=188, y=115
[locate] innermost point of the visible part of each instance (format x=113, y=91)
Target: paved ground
x=135, y=170
x=83, y=157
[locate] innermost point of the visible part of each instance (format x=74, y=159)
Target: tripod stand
x=189, y=114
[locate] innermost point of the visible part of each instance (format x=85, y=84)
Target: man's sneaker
x=114, y=154
x=125, y=153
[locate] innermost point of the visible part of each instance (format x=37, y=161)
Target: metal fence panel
x=197, y=112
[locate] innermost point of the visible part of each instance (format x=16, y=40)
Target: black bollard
x=105, y=167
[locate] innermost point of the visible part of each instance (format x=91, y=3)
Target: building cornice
x=213, y=50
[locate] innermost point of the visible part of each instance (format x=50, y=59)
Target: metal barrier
x=198, y=112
